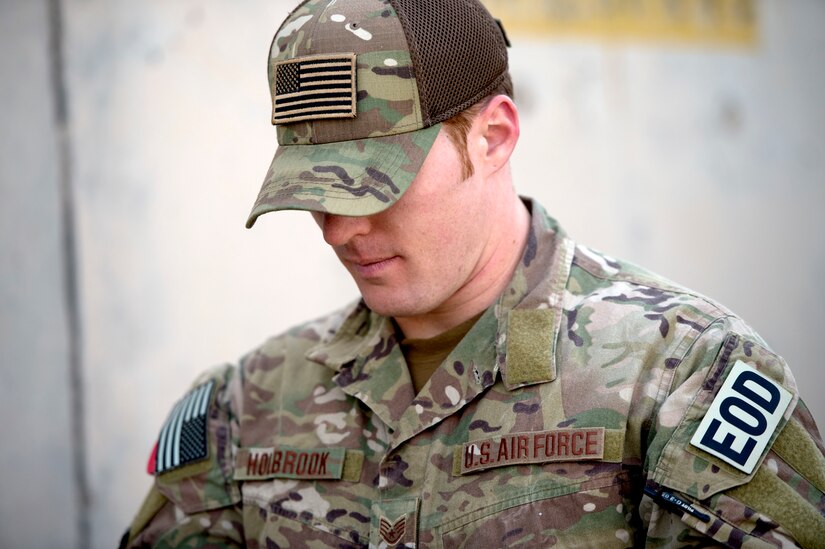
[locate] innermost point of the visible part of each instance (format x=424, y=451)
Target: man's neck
x=485, y=286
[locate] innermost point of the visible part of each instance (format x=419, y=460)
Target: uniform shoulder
x=194, y=444
x=608, y=292
x=733, y=440
x=597, y=264
x=597, y=277
x=296, y=341
x=192, y=459
x=727, y=436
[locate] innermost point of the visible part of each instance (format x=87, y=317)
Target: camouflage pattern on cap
x=348, y=166
x=635, y=362
x=360, y=177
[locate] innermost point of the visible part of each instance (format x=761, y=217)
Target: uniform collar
x=523, y=324
x=529, y=311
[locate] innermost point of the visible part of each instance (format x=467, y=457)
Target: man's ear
x=495, y=134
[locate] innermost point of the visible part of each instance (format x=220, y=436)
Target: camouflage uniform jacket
x=564, y=418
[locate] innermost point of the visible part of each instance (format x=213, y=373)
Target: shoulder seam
x=665, y=387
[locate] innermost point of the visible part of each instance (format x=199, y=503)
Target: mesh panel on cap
x=458, y=51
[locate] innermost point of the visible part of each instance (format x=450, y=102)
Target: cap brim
x=359, y=177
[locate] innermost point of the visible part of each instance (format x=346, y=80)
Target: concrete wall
x=705, y=164
x=37, y=499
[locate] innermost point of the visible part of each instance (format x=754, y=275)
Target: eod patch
x=742, y=417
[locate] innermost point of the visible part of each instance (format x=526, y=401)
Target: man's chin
x=391, y=305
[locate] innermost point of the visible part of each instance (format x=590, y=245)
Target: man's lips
x=370, y=267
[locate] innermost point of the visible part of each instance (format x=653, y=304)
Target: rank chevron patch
x=392, y=532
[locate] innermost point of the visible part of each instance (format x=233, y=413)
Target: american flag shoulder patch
x=314, y=87
x=183, y=438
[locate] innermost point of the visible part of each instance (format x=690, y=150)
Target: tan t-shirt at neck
x=424, y=356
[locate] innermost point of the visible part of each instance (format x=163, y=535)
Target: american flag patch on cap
x=183, y=438
x=309, y=88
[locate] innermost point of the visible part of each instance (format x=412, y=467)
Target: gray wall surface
x=706, y=164
x=37, y=505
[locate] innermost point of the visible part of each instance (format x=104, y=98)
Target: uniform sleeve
x=194, y=502
x=734, y=455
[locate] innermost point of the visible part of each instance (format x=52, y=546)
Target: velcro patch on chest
x=742, y=418
x=533, y=447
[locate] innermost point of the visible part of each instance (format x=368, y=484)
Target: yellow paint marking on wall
x=727, y=22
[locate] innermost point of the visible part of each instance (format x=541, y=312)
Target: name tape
x=742, y=418
x=291, y=463
x=535, y=447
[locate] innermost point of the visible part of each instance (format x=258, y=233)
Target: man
x=497, y=384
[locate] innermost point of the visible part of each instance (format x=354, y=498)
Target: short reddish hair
x=459, y=125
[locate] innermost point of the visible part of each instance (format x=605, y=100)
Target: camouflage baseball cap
x=359, y=90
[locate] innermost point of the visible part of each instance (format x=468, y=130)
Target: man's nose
x=340, y=229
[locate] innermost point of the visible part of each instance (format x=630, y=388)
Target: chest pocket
x=563, y=504
x=296, y=496
x=531, y=482
x=298, y=513
x=563, y=487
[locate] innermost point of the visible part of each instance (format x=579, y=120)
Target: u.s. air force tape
x=742, y=418
x=531, y=448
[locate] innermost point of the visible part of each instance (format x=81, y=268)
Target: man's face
x=421, y=255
